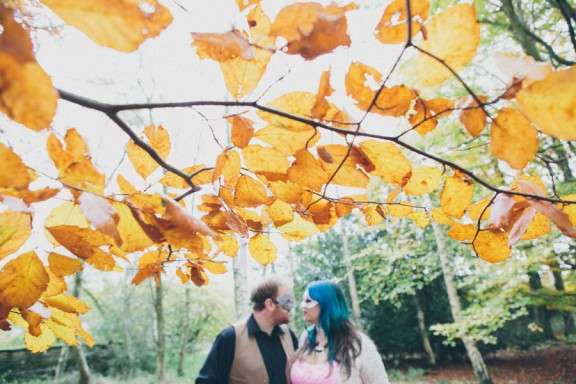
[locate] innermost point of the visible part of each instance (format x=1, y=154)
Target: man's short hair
x=266, y=289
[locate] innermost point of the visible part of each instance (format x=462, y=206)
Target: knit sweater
x=367, y=368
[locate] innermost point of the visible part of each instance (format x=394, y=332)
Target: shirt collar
x=254, y=328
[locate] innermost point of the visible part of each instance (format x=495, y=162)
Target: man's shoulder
x=227, y=333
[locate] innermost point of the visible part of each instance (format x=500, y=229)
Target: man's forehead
x=284, y=289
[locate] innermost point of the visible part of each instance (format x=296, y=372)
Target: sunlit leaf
x=22, y=281
x=307, y=171
x=550, y=103
x=264, y=160
x=452, y=36
x=423, y=180
x=312, y=29
x=456, y=196
x=118, y=24
x=513, y=138
x=473, y=116
x=222, y=46
x=242, y=130
x=15, y=229
x=159, y=140
x=262, y=249
x=13, y=173
x=250, y=193
x=390, y=164
x=63, y=265
x=492, y=246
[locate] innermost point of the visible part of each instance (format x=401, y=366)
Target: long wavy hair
x=344, y=344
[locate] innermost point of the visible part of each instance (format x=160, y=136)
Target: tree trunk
x=61, y=366
x=184, y=330
x=356, y=311
x=83, y=368
x=430, y=356
x=519, y=29
x=160, y=336
x=568, y=317
x=129, y=350
x=240, y=264
x=540, y=314
x=478, y=365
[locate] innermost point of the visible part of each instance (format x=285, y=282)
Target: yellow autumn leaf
x=13, y=173
x=476, y=209
x=287, y=191
x=228, y=166
x=307, y=171
x=243, y=4
x=260, y=159
x=27, y=95
x=462, y=232
x=419, y=218
x=66, y=213
x=133, y=237
x=242, y=76
x=241, y=130
x=85, y=243
x=456, y=196
x=312, y=29
x=37, y=344
x=473, y=117
x=56, y=285
x=550, y=103
x=222, y=46
x=288, y=141
x=62, y=332
x=15, y=229
x=513, y=138
x=390, y=164
x=250, y=193
x=453, y=36
x=538, y=227
x=203, y=176
x=373, y=214
x=22, y=281
x=423, y=180
x=62, y=265
x=492, y=246
x=215, y=268
x=262, y=249
x=67, y=303
x=393, y=28
x=440, y=217
x=159, y=140
x=280, y=212
x=298, y=229
x=118, y=24
x=228, y=244
x=74, y=163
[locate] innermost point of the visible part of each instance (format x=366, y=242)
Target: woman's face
x=310, y=309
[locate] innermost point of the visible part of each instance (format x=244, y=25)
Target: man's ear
x=269, y=304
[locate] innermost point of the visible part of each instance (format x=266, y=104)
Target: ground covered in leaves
x=550, y=364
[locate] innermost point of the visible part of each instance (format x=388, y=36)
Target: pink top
x=303, y=372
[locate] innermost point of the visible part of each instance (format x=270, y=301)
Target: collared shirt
x=216, y=369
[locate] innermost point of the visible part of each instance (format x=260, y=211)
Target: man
x=256, y=350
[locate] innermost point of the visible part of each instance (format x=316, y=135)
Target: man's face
x=284, y=305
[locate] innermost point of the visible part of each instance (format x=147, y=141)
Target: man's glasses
x=286, y=302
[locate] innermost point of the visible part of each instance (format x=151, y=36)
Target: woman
x=332, y=351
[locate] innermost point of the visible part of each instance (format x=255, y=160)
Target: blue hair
x=334, y=314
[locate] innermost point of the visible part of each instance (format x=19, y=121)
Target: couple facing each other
x=263, y=350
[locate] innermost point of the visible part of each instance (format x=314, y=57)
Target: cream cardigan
x=368, y=367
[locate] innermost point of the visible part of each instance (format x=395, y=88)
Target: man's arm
x=216, y=368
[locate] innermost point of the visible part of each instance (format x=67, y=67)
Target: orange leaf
x=321, y=106
x=227, y=165
x=453, y=36
x=27, y=95
x=119, y=24
x=62, y=265
x=242, y=130
x=159, y=140
x=15, y=229
x=390, y=164
x=262, y=249
x=550, y=103
x=492, y=246
x=288, y=141
x=513, y=138
x=67, y=303
x=222, y=46
x=307, y=171
x=280, y=212
x=393, y=29
x=473, y=117
x=13, y=173
x=179, y=218
x=249, y=193
x=264, y=160
x=423, y=180
x=22, y=281
x=101, y=215
x=456, y=195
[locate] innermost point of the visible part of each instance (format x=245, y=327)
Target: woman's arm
x=372, y=369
